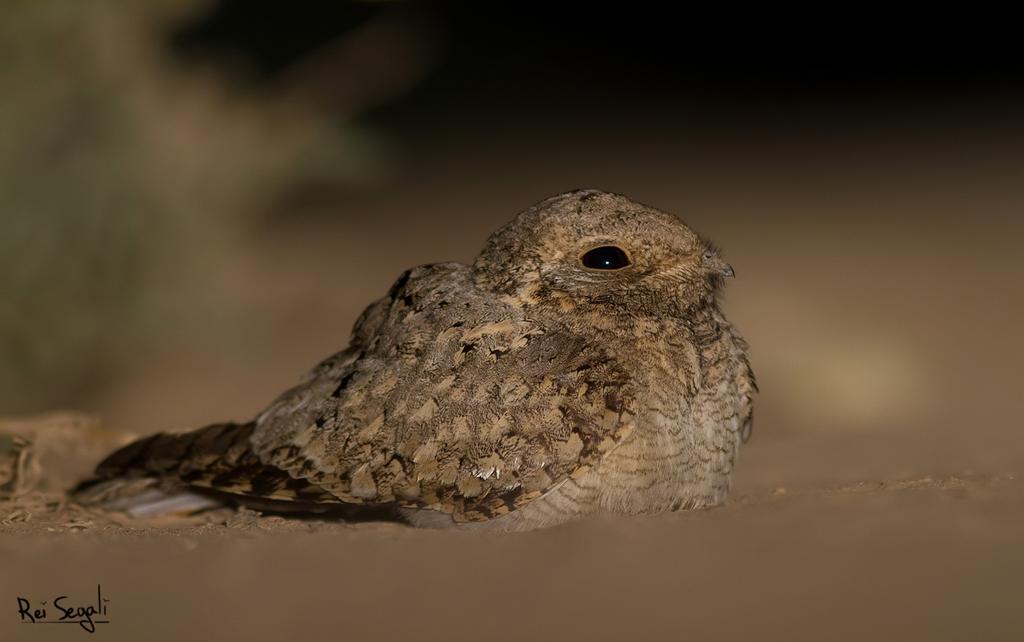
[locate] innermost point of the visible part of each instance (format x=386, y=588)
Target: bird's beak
x=714, y=264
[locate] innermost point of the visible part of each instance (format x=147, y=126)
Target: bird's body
x=581, y=364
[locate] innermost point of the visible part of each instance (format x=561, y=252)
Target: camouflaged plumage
x=520, y=391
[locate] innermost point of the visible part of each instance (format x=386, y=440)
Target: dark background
x=202, y=195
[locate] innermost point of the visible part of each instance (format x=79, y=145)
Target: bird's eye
x=606, y=257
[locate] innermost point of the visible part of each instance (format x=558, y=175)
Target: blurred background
x=198, y=197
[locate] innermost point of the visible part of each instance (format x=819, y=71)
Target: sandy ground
x=911, y=557
x=880, y=497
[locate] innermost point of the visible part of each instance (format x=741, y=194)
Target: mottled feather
x=450, y=400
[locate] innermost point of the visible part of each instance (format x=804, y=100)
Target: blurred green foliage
x=119, y=174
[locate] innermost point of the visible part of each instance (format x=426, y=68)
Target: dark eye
x=606, y=257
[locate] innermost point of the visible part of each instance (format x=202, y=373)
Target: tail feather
x=217, y=457
x=219, y=447
x=142, y=498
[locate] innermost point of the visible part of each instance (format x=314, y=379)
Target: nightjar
x=581, y=364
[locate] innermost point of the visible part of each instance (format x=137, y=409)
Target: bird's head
x=591, y=248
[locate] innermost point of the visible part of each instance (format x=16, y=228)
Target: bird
x=581, y=365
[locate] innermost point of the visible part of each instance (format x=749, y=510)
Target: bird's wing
x=449, y=399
